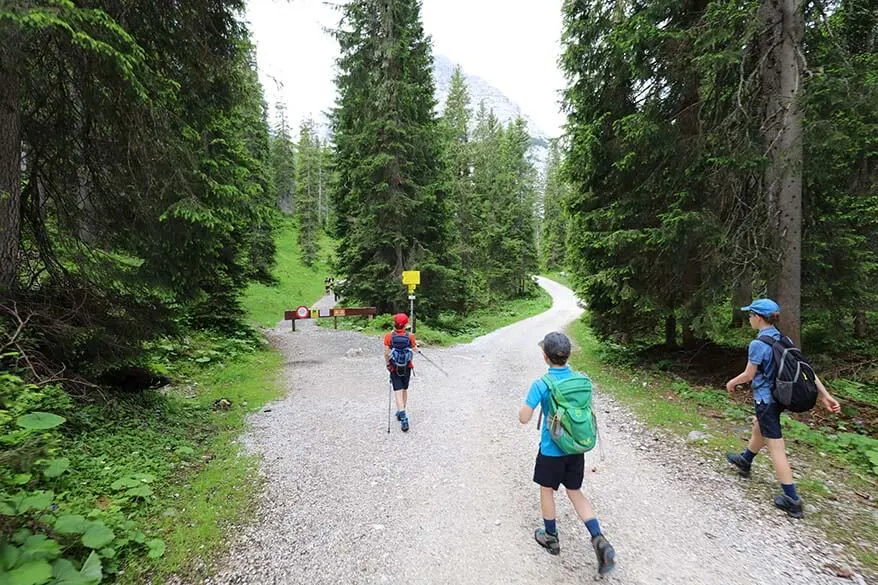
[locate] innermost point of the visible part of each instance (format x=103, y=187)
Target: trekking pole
x=434, y=364
x=389, y=397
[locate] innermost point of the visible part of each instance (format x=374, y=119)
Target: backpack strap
x=770, y=341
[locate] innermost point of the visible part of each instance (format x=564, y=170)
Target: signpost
x=304, y=312
x=412, y=278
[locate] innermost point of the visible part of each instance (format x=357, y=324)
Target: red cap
x=400, y=320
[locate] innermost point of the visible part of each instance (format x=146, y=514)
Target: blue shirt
x=539, y=395
x=760, y=353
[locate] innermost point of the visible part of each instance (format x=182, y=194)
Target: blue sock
x=748, y=455
x=790, y=490
x=551, y=528
x=594, y=527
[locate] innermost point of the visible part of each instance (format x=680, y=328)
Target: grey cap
x=556, y=345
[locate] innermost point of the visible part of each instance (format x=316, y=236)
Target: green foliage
x=553, y=234
x=310, y=189
x=453, y=328
x=160, y=116
x=392, y=210
x=295, y=283
x=666, y=161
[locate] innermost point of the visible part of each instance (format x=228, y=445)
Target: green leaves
x=30, y=573
x=97, y=536
x=71, y=524
x=56, y=467
x=156, y=548
x=40, y=421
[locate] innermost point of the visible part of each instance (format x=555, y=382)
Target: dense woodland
x=715, y=151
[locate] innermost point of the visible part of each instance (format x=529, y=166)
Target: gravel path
x=452, y=502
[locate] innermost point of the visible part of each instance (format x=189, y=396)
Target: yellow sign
x=412, y=289
x=411, y=277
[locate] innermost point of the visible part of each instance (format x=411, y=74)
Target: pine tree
x=459, y=166
x=553, y=240
x=391, y=211
x=308, y=173
x=283, y=163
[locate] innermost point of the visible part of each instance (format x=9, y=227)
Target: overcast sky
x=511, y=44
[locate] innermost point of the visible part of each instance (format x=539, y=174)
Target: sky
x=511, y=44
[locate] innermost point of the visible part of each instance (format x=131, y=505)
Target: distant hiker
x=782, y=380
x=399, y=348
x=569, y=430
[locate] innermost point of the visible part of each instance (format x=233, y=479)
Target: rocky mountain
x=505, y=109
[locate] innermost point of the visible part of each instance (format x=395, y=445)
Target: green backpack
x=572, y=424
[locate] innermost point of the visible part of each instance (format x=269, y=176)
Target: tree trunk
x=10, y=157
x=671, y=331
x=860, y=324
x=782, y=129
x=742, y=295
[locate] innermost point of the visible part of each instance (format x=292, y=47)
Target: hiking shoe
x=399, y=415
x=606, y=554
x=790, y=506
x=548, y=541
x=740, y=463
x=404, y=423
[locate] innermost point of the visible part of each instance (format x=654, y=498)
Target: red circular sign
x=303, y=312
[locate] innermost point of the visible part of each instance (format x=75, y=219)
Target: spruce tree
x=392, y=213
x=307, y=190
x=554, y=228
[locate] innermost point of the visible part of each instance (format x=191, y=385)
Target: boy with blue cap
x=761, y=370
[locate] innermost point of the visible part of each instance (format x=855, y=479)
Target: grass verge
x=217, y=488
x=833, y=475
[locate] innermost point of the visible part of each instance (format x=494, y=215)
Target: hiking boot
x=606, y=554
x=790, y=506
x=399, y=415
x=404, y=423
x=741, y=464
x=548, y=541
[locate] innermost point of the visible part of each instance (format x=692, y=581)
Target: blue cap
x=764, y=307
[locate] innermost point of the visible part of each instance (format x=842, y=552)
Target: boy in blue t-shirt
x=764, y=316
x=554, y=467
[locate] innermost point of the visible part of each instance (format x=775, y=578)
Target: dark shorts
x=553, y=471
x=400, y=382
x=768, y=416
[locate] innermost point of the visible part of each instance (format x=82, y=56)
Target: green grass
x=296, y=284
x=196, y=507
x=453, y=329
x=820, y=457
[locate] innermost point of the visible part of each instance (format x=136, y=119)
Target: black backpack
x=795, y=384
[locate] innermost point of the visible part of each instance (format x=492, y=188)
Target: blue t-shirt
x=539, y=395
x=761, y=354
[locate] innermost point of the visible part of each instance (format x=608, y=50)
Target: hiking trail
x=452, y=501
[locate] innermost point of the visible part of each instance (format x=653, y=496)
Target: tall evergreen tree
x=392, y=214
x=554, y=228
x=283, y=163
x=459, y=166
x=308, y=177
x=152, y=110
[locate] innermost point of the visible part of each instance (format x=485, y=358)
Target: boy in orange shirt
x=399, y=348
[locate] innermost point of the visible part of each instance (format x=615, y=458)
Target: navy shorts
x=553, y=471
x=768, y=416
x=400, y=382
